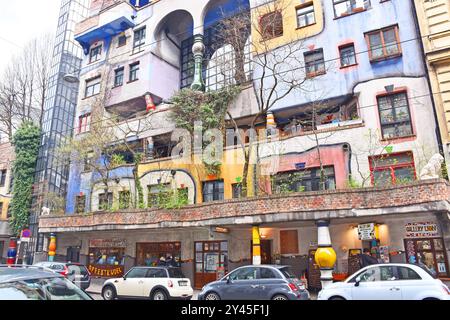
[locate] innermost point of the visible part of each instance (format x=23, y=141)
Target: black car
x=36, y=283
x=75, y=272
x=265, y=282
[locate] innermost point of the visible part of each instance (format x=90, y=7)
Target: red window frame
x=84, y=122
x=392, y=167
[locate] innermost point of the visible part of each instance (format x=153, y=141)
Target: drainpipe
x=424, y=60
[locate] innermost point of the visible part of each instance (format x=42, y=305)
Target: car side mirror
x=124, y=278
x=357, y=281
x=228, y=280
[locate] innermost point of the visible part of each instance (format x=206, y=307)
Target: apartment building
x=348, y=99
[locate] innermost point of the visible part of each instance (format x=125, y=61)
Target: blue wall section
x=339, y=82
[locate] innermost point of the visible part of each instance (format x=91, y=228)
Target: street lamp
x=71, y=78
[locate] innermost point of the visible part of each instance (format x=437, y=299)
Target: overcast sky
x=21, y=21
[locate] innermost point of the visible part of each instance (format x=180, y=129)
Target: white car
x=155, y=283
x=393, y=281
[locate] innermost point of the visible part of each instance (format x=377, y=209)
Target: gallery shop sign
x=421, y=230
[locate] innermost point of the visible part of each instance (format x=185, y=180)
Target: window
x=304, y=180
x=137, y=273
x=139, y=40
x=305, y=15
x=406, y=273
x=266, y=273
x=249, y=273
x=105, y=201
x=314, y=63
x=118, y=77
x=213, y=190
x=3, y=177
x=347, y=54
x=95, y=54
x=271, y=25
x=158, y=195
x=80, y=204
x=157, y=273
x=134, y=70
x=346, y=7
x=237, y=190
x=395, y=118
x=92, y=87
x=392, y=168
x=121, y=40
x=84, y=123
x=1, y=210
x=124, y=199
x=383, y=44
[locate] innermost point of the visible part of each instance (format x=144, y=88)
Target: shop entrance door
x=210, y=257
x=73, y=254
x=266, y=251
x=429, y=251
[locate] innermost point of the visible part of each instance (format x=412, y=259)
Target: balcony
x=106, y=24
x=416, y=197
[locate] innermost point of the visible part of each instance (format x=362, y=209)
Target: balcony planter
x=211, y=177
x=359, y=9
x=339, y=124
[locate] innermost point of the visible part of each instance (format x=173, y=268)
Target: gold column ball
x=325, y=257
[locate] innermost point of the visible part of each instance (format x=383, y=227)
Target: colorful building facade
x=6, y=159
x=352, y=140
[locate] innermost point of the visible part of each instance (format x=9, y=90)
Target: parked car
x=155, y=283
x=75, y=272
x=265, y=282
x=393, y=281
x=37, y=283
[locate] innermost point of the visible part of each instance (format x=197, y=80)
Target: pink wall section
x=330, y=155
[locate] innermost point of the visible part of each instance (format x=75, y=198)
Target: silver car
x=265, y=282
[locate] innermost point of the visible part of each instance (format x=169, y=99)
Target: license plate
x=183, y=283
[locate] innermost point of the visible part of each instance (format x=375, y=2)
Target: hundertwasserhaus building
x=350, y=160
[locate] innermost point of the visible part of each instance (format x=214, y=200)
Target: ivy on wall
x=26, y=146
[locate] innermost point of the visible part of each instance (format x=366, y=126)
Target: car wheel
x=279, y=297
x=159, y=295
x=212, y=296
x=109, y=293
x=336, y=298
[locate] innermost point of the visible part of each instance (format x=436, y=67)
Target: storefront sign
x=221, y=230
x=366, y=231
x=106, y=271
x=107, y=243
x=421, y=230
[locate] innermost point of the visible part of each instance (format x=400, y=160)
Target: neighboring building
x=372, y=132
x=6, y=159
x=434, y=21
x=51, y=175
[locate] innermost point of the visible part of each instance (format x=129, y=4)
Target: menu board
x=366, y=231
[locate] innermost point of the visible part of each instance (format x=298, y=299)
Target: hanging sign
x=366, y=231
x=421, y=230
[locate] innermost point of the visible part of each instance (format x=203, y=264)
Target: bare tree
x=23, y=85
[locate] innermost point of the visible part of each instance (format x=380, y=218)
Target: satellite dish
x=45, y=211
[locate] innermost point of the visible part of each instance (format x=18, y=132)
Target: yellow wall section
x=290, y=30
x=229, y=172
x=4, y=213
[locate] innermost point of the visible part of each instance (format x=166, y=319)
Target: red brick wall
x=368, y=198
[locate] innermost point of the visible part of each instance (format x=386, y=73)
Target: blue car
x=265, y=282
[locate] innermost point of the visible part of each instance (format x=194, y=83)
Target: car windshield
x=175, y=273
x=287, y=273
x=42, y=289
